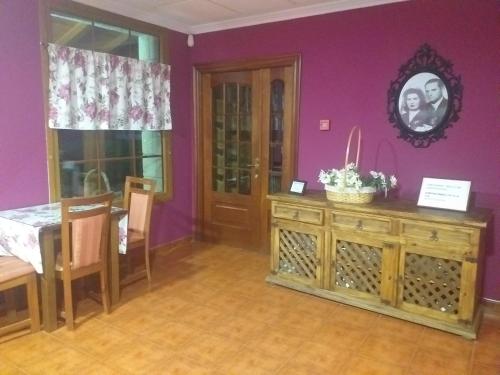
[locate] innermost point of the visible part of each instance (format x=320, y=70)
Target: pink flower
x=156, y=69
x=79, y=60
x=166, y=73
x=103, y=115
x=148, y=117
x=135, y=112
x=63, y=53
x=126, y=68
x=52, y=113
x=90, y=110
x=113, y=97
x=64, y=92
x=113, y=62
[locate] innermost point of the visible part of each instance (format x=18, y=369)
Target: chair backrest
x=85, y=230
x=138, y=200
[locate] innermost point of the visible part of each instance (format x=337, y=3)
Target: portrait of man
x=437, y=103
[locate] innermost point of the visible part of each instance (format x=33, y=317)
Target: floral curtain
x=98, y=91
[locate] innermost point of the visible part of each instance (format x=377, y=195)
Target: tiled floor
x=210, y=312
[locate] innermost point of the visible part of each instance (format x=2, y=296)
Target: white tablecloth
x=20, y=231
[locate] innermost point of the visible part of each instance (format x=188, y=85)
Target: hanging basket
x=351, y=195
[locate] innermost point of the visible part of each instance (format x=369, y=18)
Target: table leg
x=48, y=281
x=114, y=264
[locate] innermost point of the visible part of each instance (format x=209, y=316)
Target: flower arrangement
x=349, y=179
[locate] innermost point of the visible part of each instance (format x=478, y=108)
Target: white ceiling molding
x=144, y=11
x=293, y=13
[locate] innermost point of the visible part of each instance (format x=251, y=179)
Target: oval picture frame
x=425, y=99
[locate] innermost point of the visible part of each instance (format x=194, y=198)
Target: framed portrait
x=298, y=187
x=425, y=99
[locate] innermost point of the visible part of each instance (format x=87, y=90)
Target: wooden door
x=244, y=152
x=232, y=157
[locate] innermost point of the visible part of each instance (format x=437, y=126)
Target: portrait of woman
x=414, y=110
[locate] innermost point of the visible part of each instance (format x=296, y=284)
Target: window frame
x=52, y=139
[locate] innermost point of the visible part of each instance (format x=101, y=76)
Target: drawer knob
x=359, y=225
x=434, y=235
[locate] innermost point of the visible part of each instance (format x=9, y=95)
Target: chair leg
x=148, y=265
x=33, y=307
x=103, y=276
x=68, y=303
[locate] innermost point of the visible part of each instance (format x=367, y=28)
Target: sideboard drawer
x=437, y=233
x=298, y=213
x=366, y=223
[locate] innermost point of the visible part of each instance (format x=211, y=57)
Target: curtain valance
x=98, y=91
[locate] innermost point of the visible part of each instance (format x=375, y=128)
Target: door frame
x=291, y=60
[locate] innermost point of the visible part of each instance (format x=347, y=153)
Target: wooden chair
x=138, y=200
x=85, y=242
x=14, y=272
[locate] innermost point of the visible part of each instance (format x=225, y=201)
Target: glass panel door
x=276, y=135
x=232, y=138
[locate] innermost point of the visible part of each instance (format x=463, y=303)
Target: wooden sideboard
x=419, y=264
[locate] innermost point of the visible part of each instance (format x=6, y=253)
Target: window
x=91, y=162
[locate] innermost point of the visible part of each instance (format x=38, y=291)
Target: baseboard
x=491, y=307
x=166, y=248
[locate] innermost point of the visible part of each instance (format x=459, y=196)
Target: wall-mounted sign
x=448, y=194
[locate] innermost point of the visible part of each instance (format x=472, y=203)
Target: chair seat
x=12, y=267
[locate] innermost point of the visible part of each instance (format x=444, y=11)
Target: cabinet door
x=298, y=252
x=363, y=266
x=437, y=284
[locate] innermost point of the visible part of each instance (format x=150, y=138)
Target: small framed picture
x=298, y=187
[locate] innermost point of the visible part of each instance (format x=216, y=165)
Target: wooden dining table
x=30, y=234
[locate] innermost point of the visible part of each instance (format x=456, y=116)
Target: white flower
x=349, y=177
x=394, y=181
x=324, y=177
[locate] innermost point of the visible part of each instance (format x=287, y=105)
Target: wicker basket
x=350, y=195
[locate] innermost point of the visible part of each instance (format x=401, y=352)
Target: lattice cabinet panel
x=298, y=253
x=358, y=267
x=432, y=282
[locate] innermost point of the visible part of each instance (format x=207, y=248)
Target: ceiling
x=201, y=16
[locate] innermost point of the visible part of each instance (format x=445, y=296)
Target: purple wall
x=23, y=176
x=23, y=156
x=173, y=220
x=348, y=61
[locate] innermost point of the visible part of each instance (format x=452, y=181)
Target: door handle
x=255, y=165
